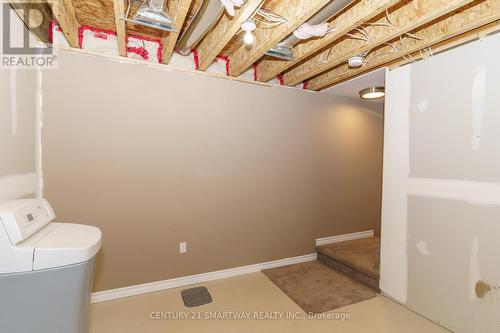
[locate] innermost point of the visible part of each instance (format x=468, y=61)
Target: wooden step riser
x=358, y=276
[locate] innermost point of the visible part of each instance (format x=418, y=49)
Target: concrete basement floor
x=249, y=293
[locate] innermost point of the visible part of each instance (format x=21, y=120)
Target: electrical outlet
x=182, y=247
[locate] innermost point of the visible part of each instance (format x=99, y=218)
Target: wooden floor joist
x=213, y=43
x=295, y=11
x=447, y=44
x=179, y=15
x=397, y=22
x=385, y=32
x=479, y=13
x=65, y=14
x=356, y=15
x=119, y=10
x=475, y=34
x=39, y=25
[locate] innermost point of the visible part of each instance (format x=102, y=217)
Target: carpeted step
x=359, y=258
x=317, y=288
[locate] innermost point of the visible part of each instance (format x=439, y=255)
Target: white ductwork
x=231, y=4
x=283, y=50
x=205, y=18
x=152, y=14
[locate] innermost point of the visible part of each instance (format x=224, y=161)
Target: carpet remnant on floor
x=317, y=288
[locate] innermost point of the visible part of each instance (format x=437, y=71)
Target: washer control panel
x=22, y=218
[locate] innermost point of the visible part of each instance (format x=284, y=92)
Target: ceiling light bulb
x=372, y=92
x=248, y=37
x=248, y=26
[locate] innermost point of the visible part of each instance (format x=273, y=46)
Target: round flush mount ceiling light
x=248, y=26
x=355, y=61
x=372, y=92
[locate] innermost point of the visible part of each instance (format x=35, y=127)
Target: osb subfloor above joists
x=365, y=26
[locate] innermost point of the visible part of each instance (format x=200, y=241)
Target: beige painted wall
x=243, y=173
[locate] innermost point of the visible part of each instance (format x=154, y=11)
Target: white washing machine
x=46, y=270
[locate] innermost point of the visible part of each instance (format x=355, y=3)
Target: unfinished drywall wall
x=17, y=133
x=452, y=248
x=243, y=173
x=393, y=264
x=441, y=195
x=464, y=110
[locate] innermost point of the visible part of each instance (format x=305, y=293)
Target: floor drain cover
x=196, y=296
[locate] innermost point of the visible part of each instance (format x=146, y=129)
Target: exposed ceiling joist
x=215, y=41
x=387, y=32
x=66, y=17
x=295, y=11
x=467, y=37
x=479, y=13
x=39, y=26
x=182, y=8
x=396, y=22
x=356, y=15
x=119, y=10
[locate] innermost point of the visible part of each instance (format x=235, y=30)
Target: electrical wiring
x=408, y=56
x=365, y=35
x=268, y=18
x=413, y=36
x=128, y=9
x=323, y=58
x=393, y=49
x=267, y=24
x=389, y=22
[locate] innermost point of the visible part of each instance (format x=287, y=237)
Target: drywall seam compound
x=393, y=257
x=18, y=185
x=474, y=273
x=38, y=134
x=478, y=98
x=423, y=105
x=468, y=191
x=13, y=100
x=469, y=287
x=423, y=248
x=397, y=134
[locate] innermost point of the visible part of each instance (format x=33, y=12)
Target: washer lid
x=67, y=244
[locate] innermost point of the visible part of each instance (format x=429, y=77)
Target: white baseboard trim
x=146, y=288
x=345, y=237
x=108, y=295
